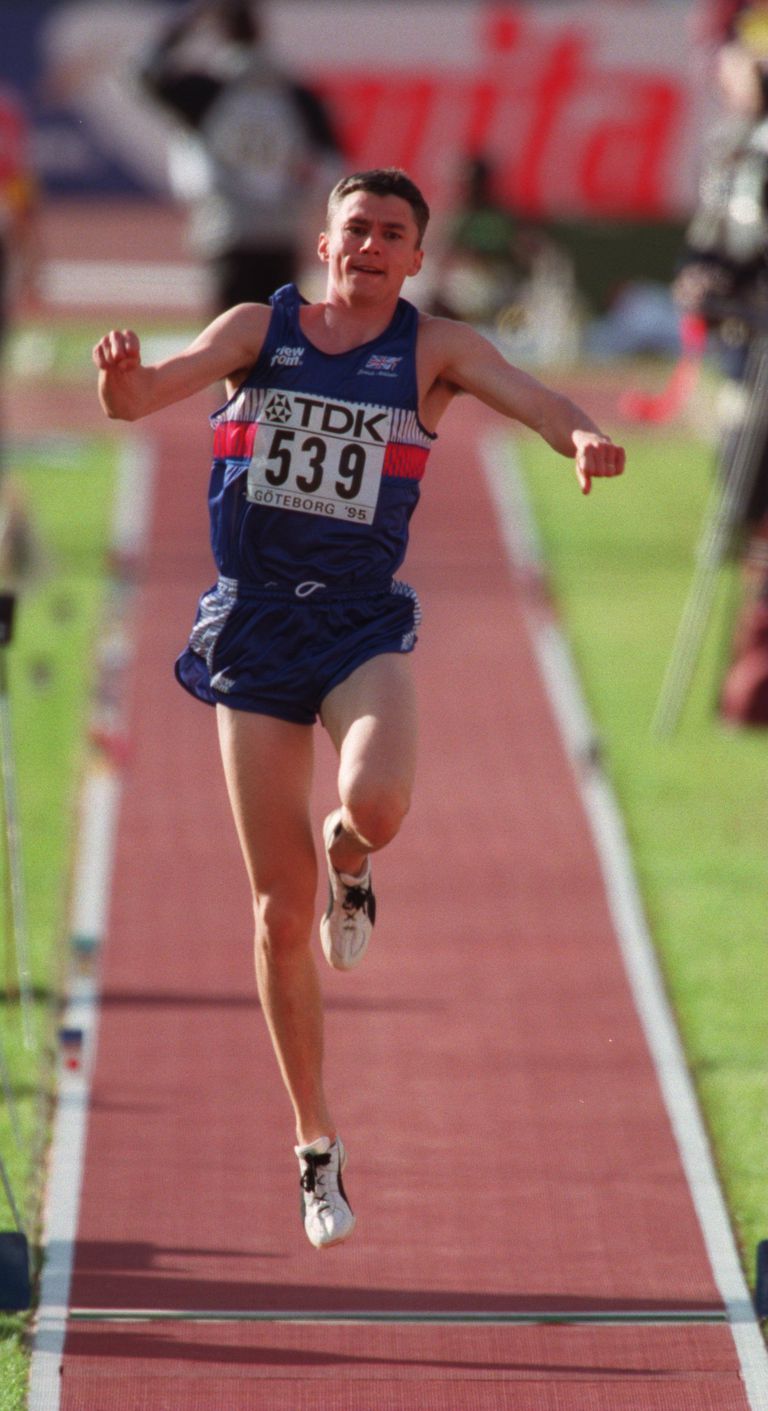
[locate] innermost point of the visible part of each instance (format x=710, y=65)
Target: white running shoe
x=325, y=1210
x=346, y=927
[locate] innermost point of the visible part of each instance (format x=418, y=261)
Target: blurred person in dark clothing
x=724, y=277
x=488, y=253
x=18, y=206
x=497, y=270
x=724, y=261
x=18, y=203
x=255, y=147
x=482, y=262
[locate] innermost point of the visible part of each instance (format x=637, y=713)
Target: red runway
x=510, y=1154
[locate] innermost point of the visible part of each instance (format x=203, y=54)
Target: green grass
x=695, y=804
x=67, y=488
x=63, y=352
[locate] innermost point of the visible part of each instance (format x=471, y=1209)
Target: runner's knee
x=283, y=923
x=375, y=816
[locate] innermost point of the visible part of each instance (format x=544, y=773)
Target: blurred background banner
x=588, y=110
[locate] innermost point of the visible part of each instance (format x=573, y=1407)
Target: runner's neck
x=337, y=328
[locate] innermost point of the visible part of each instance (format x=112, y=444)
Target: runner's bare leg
x=268, y=769
x=371, y=718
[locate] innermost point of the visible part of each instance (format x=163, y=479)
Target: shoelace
x=358, y=899
x=313, y=1179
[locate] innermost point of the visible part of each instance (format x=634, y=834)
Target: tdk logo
x=287, y=357
x=346, y=419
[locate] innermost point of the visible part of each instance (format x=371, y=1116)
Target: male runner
x=318, y=455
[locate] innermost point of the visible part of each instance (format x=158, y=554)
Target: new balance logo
x=286, y=356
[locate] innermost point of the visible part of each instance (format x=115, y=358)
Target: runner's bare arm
x=468, y=362
x=129, y=390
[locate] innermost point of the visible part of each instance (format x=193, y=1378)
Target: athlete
x=317, y=460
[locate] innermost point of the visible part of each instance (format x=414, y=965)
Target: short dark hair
x=238, y=20
x=382, y=181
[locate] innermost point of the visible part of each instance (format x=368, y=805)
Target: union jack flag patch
x=381, y=362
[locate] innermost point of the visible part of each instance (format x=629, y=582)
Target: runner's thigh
x=371, y=718
x=268, y=769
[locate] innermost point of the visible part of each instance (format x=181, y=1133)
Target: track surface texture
x=509, y=1149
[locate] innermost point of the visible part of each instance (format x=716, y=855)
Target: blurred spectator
x=642, y=320
x=724, y=277
x=255, y=148
x=718, y=18
x=486, y=254
x=498, y=271
x=748, y=24
x=18, y=263
x=724, y=257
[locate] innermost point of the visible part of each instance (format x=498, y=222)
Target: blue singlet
x=316, y=472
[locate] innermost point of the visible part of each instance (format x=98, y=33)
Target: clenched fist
x=118, y=351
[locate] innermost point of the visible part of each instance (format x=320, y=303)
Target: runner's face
x=371, y=247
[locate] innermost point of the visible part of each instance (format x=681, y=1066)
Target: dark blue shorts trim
x=276, y=654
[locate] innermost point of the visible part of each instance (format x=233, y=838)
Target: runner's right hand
x=118, y=351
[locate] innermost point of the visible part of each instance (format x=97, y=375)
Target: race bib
x=319, y=456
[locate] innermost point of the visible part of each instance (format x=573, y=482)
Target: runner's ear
x=417, y=262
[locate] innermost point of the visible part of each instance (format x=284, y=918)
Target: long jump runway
x=527, y=1237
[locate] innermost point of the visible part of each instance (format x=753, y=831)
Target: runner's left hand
x=596, y=456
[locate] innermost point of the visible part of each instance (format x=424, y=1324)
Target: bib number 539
x=314, y=456
x=286, y=453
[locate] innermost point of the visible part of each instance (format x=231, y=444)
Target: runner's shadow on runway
x=98, y=1256
x=145, y=1345
x=183, y=999
x=133, y=1274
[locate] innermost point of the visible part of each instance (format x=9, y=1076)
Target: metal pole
x=15, y=863
x=15, y=1272
x=5, y=1083
x=4, y=1177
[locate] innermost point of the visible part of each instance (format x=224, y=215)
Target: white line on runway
x=520, y=537
x=99, y=806
x=661, y=1317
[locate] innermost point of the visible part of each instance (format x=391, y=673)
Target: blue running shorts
x=279, y=651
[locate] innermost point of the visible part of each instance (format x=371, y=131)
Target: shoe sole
x=331, y=1244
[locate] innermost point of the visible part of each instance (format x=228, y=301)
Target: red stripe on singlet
x=405, y=462
x=233, y=440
